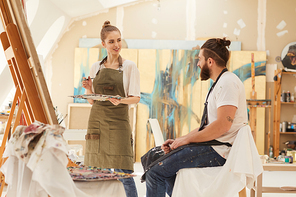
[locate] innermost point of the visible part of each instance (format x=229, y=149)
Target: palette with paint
x=99, y=97
x=83, y=173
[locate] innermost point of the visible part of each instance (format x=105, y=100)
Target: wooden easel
x=32, y=94
x=253, y=96
x=253, y=103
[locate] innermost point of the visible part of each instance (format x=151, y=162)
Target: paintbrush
x=86, y=79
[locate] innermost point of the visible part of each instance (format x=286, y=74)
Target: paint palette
x=99, y=97
x=88, y=173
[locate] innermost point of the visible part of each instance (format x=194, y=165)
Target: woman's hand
x=114, y=101
x=87, y=83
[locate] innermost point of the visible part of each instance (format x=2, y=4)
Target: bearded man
x=224, y=114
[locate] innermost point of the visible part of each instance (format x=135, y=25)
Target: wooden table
x=273, y=167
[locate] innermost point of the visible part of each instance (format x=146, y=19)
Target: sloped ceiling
x=48, y=19
x=75, y=8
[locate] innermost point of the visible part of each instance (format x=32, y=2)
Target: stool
x=273, y=167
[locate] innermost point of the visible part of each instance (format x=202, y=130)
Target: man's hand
x=170, y=144
x=166, y=146
x=179, y=142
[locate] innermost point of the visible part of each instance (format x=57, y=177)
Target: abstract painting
x=171, y=89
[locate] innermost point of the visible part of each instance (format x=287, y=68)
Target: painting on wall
x=171, y=89
x=288, y=57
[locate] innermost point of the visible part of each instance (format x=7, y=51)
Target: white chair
x=155, y=128
x=241, y=169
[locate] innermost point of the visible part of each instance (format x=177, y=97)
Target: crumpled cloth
x=241, y=169
x=37, y=163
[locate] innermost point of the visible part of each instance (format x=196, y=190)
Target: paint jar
x=288, y=159
x=284, y=126
x=288, y=97
x=292, y=154
x=283, y=96
x=292, y=126
x=289, y=127
x=271, y=152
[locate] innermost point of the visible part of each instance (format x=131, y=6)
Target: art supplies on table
x=88, y=173
x=99, y=97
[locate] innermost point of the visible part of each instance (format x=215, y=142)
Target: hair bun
x=106, y=24
x=223, y=42
x=226, y=43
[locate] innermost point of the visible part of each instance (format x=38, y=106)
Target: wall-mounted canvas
x=171, y=89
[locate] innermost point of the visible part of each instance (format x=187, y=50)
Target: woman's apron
x=108, y=139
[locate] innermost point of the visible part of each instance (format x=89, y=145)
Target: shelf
x=266, y=106
x=288, y=73
x=282, y=110
x=288, y=133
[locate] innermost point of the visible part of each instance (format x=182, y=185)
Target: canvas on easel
x=32, y=96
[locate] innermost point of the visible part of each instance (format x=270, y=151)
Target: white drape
x=241, y=169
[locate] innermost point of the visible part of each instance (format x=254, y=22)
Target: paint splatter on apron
x=108, y=139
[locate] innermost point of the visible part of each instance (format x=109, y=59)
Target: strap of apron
x=204, y=119
x=105, y=59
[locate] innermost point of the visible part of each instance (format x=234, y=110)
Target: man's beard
x=205, y=72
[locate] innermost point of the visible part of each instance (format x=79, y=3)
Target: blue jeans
x=128, y=184
x=161, y=177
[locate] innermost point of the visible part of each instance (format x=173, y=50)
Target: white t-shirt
x=131, y=76
x=229, y=90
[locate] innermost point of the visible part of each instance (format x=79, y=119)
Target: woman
x=109, y=137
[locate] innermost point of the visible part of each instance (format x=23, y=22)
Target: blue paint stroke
x=244, y=72
x=162, y=101
x=84, y=70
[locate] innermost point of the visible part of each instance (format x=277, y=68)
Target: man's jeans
x=161, y=177
x=128, y=184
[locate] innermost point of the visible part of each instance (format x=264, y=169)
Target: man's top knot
x=223, y=42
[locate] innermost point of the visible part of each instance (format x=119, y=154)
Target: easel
x=31, y=95
x=253, y=103
x=253, y=96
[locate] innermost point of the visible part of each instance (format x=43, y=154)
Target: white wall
x=253, y=22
